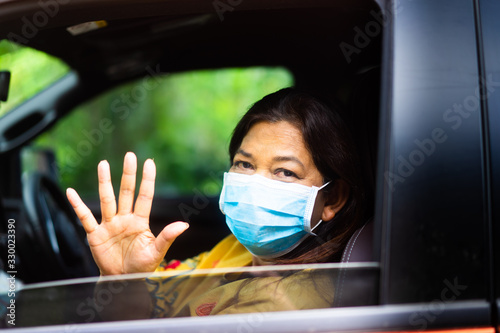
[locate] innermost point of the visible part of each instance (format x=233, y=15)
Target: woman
x=292, y=195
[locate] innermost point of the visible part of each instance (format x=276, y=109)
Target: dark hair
x=329, y=142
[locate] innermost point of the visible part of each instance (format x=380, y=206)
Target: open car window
x=188, y=138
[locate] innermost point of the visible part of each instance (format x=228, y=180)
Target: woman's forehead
x=277, y=139
x=264, y=130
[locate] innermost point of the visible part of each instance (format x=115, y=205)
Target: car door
x=490, y=40
x=433, y=176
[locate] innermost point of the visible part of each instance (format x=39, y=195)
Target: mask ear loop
x=312, y=229
x=319, y=222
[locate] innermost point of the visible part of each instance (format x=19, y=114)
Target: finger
x=106, y=194
x=146, y=191
x=168, y=235
x=127, y=186
x=82, y=211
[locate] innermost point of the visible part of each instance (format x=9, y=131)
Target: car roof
x=185, y=35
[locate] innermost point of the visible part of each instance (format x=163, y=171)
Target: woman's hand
x=123, y=243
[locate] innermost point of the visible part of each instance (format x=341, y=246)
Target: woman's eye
x=243, y=165
x=246, y=165
x=287, y=173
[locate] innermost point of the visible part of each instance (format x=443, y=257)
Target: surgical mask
x=269, y=217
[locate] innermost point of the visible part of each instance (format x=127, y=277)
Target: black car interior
x=174, y=39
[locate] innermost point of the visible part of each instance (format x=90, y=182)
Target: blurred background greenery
x=31, y=71
x=181, y=120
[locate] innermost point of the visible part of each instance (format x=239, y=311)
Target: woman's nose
x=264, y=172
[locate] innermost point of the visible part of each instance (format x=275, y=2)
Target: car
x=419, y=81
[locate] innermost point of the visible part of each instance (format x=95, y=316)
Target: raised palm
x=123, y=242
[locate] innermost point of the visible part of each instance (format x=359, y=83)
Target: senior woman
x=293, y=195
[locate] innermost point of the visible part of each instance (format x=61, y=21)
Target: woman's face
x=276, y=151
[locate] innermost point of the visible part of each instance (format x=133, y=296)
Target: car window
x=197, y=293
x=181, y=120
x=31, y=71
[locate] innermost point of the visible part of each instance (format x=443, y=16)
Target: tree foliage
x=184, y=123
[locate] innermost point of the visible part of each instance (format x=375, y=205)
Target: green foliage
x=183, y=121
x=31, y=71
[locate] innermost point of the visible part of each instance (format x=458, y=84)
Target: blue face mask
x=269, y=217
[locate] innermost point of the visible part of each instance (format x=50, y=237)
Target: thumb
x=168, y=235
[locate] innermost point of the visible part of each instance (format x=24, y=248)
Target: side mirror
x=4, y=85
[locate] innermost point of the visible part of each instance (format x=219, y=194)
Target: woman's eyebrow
x=288, y=158
x=244, y=153
x=275, y=159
